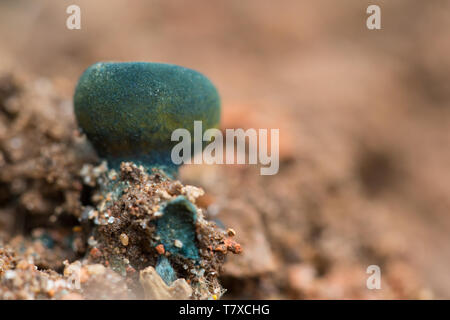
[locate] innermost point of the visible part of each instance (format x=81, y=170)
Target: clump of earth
x=71, y=228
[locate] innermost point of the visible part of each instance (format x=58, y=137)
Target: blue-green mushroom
x=129, y=110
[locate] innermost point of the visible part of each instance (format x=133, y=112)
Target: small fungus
x=129, y=110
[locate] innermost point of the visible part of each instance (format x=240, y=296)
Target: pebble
x=231, y=232
x=124, y=239
x=160, y=249
x=177, y=243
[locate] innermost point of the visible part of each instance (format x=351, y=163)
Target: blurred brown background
x=364, y=120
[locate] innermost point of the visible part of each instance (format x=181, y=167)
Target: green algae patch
x=176, y=228
x=129, y=110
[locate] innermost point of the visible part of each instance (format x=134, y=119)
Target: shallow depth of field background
x=364, y=119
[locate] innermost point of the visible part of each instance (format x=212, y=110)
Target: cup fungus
x=129, y=110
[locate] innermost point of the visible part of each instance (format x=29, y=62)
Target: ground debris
x=156, y=289
x=20, y=278
x=150, y=218
x=87, y=231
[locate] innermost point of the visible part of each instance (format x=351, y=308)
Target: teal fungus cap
x=129, y=110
